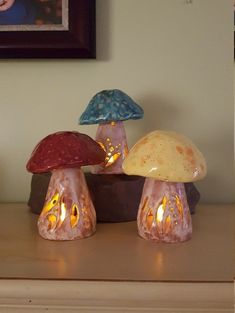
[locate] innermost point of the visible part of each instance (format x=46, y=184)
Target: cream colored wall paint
x=175, y=59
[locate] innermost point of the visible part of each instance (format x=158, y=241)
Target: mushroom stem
x=163, y=213
x=68, y=212
x=112, y=138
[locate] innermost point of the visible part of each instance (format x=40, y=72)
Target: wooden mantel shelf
x=115, y=270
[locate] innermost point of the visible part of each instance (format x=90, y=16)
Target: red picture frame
x=76, y=42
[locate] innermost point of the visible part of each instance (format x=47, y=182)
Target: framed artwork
x=47, y=29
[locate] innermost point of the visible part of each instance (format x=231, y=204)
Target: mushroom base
x=163, y=214
x=68, y=212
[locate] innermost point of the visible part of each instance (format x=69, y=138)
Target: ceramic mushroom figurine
x=168, y=160
x=68, y=212
x=109, y=108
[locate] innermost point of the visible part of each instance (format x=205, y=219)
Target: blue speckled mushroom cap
x=110, y=105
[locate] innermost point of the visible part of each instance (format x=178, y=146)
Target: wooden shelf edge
x=84, y=296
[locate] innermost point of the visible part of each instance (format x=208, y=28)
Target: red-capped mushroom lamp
x=167, y=160
x=68, y=211
x=109, y=108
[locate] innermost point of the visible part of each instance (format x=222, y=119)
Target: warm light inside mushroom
x=163, y=213
x=112, y=139
x=163, y=221
x=49, y=205
x=149, y=218
x=74, y=217
x=57, y=217
x=52, y=221
x=112, y=152
x=53, y=218
x=62, y=213
x=161, y=209
x=68, y=213
x=179, y=206
x=160, y=213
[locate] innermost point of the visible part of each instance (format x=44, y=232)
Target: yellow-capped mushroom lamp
x=167, y=160
x=68, y=211
x=109, y=108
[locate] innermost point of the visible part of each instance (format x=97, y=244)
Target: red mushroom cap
x=64, y=150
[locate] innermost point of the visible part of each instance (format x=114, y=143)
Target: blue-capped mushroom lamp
x=109, y=108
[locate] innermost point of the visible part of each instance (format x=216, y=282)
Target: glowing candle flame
x=112, y=159
x=160, y=213
x=63, y=213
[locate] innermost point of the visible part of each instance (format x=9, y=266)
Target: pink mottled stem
x=68, y=212
x=112, y=138
x=163, y=214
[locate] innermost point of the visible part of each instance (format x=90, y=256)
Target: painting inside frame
x=33, y=15
x=58, y=29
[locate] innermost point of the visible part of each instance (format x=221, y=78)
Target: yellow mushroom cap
x=166, y=156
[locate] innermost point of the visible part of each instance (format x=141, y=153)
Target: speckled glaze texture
x=166, y=156
x=163, y=214
x=68, y=212
x=110, y=105
x=64, y=149
x=112, y=138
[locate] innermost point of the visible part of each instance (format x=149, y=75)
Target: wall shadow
x=159, y=113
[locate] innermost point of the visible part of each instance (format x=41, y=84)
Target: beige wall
x=175, y=59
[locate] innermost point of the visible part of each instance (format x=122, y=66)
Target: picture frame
x=78, y=41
